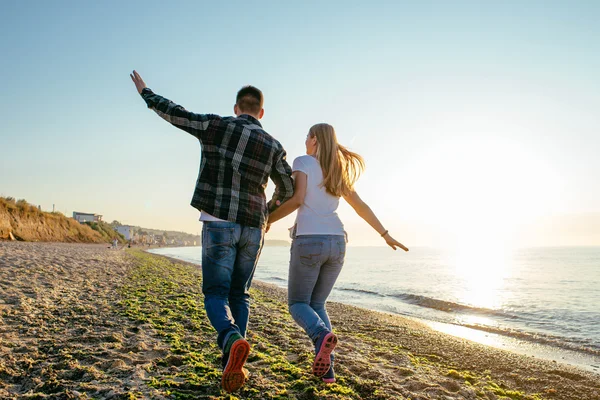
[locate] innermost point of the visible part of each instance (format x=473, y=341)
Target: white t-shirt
x=206, y=217
x=317, y=215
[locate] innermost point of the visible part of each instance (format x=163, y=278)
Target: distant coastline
x=26, y=222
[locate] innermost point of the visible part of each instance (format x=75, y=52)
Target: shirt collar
x=250, y=118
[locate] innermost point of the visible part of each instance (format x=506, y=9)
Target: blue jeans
x=230, y=253
x=315, y=263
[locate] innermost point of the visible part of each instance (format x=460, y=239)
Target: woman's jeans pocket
x=309, y=252
x=338, y=252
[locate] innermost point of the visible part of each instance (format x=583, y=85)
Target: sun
x=480, y=190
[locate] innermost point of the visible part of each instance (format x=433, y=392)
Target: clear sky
x=479, y=121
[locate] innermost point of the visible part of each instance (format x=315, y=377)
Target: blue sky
x=456, y=107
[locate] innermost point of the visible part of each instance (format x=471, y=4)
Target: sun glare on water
x=477, y=194
x=483, y=270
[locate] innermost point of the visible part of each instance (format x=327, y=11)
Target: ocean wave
x=566, y=343
x=362, y=291
x=448, y=306
x=276, y=278
x=436, y=304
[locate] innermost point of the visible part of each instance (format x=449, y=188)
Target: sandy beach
x=84, y=321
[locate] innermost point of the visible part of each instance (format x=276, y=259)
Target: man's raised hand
x=139, y=82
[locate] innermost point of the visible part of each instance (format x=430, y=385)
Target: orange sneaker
x=234, y=374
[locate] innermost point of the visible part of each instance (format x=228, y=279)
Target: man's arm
x=281, y=175
x=288, y=207
x=195, y=124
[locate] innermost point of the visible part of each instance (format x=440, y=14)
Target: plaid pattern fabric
x=238, y=157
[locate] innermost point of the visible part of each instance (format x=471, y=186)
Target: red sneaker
x=324, y=349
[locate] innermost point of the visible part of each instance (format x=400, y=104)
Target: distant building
x=86, y=217
x=126, y=231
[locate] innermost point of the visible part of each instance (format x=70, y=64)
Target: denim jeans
x=315, y=263
x=230, y=253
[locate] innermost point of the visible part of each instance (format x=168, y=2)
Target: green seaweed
x=167, y=296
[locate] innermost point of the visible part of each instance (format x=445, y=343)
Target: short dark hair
x=249, y=99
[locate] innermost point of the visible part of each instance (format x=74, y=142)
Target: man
x=238, y=157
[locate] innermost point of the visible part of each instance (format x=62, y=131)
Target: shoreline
x=514, y=343
x=84, y=321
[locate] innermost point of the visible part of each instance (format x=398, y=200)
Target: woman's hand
x=393, y=243
x=365, y=212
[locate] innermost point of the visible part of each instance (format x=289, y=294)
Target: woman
x=327, y=172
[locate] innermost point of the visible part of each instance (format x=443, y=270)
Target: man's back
x=238, y=157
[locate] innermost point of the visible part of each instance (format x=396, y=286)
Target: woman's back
x=318, y=213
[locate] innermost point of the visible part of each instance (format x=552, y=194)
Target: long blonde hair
x=341, y=167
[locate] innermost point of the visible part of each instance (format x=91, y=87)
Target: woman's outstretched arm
x=365, y=212
x=294, y=202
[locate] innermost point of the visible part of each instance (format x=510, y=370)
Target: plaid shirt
x=238, y=157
